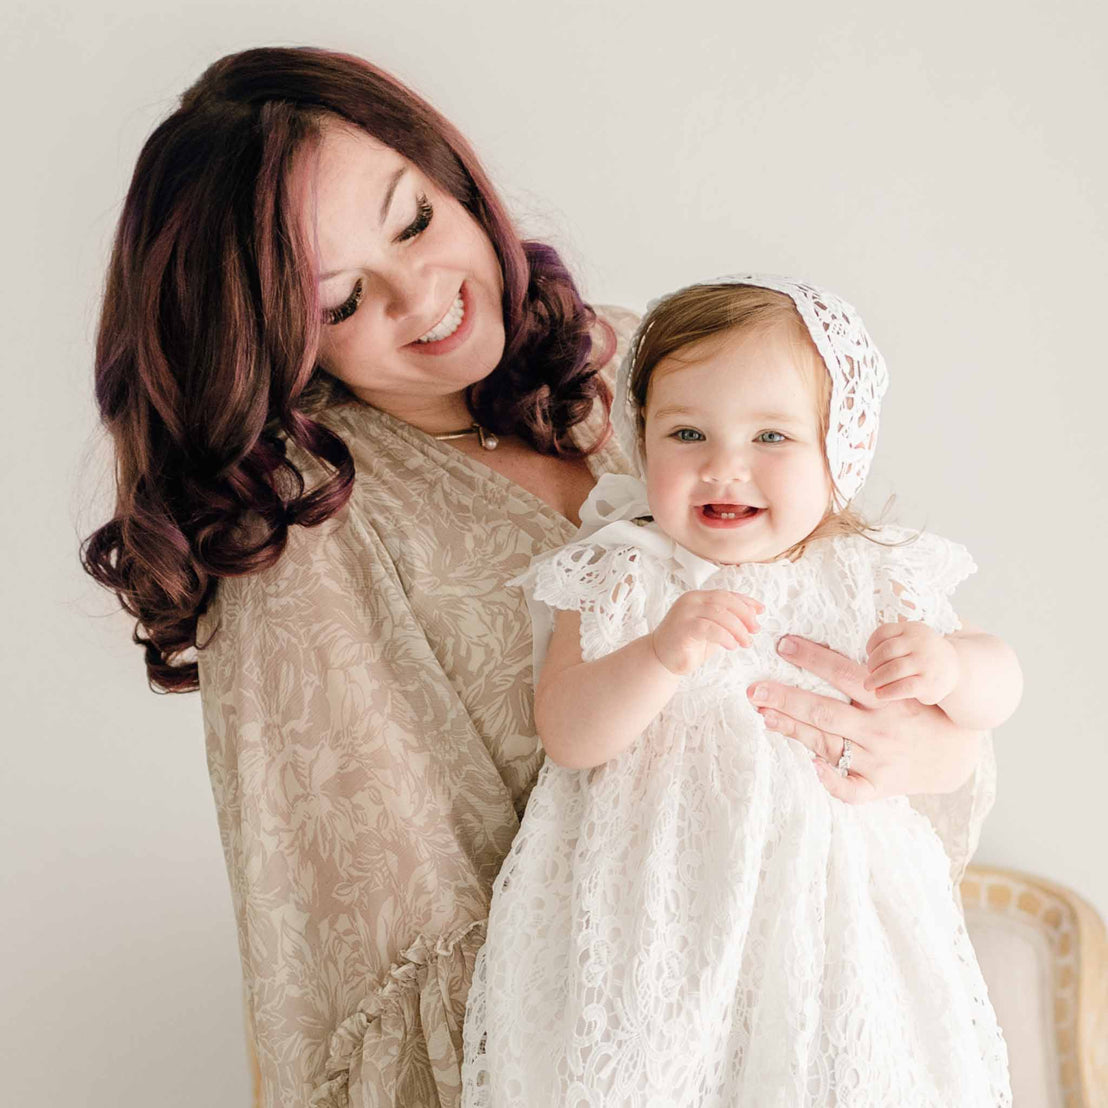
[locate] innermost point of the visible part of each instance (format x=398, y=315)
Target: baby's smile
x=727, y=515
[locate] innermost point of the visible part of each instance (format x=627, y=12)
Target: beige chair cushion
x=1044, y=956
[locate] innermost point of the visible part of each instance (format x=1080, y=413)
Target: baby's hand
x=911, y=660
x=699, y=623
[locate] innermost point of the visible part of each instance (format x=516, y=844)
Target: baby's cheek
x=661, y=490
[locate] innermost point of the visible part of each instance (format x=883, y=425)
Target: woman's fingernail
x=787, y=646
x=761, y=693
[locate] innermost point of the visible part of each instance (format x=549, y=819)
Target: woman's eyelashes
x=424, y=214
x=346, y=308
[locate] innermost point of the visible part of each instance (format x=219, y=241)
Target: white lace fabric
x=697, y=922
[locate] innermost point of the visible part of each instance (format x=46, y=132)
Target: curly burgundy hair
x=206, y=351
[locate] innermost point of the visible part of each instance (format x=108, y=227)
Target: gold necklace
x=486, y=438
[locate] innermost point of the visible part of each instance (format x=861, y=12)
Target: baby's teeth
x=448, y=324
x=726, y=515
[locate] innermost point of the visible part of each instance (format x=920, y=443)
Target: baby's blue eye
x=763, y=437
x=680, y=434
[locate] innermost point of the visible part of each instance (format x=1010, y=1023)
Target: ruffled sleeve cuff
x=914, y=581
x=402, y=1047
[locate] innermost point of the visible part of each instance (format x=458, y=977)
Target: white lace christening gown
x=697, y=922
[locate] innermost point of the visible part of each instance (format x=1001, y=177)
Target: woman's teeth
x=448, y=324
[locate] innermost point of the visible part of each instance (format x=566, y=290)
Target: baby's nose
x=726, y=466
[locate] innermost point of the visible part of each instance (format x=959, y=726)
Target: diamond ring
x=843, y=764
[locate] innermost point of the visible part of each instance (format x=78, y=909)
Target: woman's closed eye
x=346, y=309
x=424, y=214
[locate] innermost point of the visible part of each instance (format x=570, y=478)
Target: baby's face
x=734, y=459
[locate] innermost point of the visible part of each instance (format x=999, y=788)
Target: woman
x=348, y=404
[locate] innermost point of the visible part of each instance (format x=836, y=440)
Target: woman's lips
x=451, y=342
x=727, y=516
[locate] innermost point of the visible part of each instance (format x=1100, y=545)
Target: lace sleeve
x=606, y=585
x=914, y=581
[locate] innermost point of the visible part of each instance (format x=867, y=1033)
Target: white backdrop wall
x=941, y=165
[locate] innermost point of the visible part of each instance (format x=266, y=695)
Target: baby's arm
x=588, y=712
x=974, y=677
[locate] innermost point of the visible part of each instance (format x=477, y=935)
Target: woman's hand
x=901, y=747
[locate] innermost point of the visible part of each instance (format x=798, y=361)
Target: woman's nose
x=407, y=291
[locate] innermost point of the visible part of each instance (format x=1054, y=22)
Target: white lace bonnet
x=858, y=377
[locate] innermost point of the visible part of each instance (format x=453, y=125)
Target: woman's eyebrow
x=394, y=180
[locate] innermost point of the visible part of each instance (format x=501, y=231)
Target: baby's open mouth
x=729, y=511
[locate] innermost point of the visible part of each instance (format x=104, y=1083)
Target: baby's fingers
x=745, y=607
x=724, y=620
x=897, y=647
x=715, y=633
x=908, y=688
x=895, y=670
x=883, y=634
x=757, y=605
x=739, y=628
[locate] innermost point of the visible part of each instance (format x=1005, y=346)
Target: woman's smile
x=451, y=330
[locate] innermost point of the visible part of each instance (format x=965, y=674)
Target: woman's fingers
x=851, y=789
x=825, y=746
x=809, y=711
x=836, y=669
x=855, y=787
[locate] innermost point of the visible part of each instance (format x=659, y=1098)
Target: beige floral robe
x=367, y=703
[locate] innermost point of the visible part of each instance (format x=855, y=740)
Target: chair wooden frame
x=1076, y=936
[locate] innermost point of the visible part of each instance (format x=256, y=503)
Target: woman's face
x=409, y=282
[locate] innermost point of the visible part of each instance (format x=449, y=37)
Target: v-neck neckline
x=609, y=459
